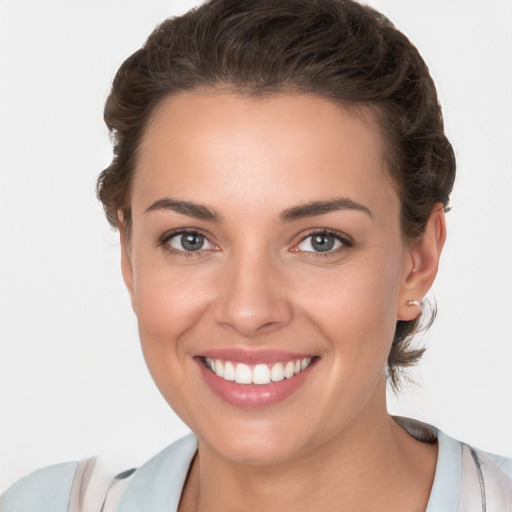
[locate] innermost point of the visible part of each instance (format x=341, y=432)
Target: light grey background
x=72, y=379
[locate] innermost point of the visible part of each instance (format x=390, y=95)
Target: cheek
x=355, y=307
x=168, y=298
x=168, y=304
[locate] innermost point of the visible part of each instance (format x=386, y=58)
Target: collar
x=445, y=491
x=157, y=485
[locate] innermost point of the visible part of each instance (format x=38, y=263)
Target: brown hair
x=337, y=49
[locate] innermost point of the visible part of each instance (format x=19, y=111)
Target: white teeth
x=259, y=374
x=277, y=372
x=289, y=369
x=229, y=371
x=243, y=374
x=218, y=368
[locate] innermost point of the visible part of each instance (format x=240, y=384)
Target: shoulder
x=71, y=485
x=471, y=478
x=488, y=473
x=157, y=485
x=50, y=485
x=503, y=463
x=466, y=478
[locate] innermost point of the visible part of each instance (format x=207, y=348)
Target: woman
x=279, y=183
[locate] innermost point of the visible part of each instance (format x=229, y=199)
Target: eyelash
x=344, y=239
x=167, y=236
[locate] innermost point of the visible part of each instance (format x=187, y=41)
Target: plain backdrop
x=72, y=378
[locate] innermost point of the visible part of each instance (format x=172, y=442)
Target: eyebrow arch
x=311, y=209
x=198, y=211
x=321, y=207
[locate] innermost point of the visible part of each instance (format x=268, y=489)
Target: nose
x=252, y=298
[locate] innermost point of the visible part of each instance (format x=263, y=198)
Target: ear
x=422, y=262
x=126, y=262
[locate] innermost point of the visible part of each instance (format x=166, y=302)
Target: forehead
x=232, y=148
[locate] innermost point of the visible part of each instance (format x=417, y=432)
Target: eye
x=188, y=242
x=322, y=242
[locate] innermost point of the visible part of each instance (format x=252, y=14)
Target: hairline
x=365, y=111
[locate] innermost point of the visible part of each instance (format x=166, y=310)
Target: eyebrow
x=312, y=209
x=320, y=208
x=198, y=211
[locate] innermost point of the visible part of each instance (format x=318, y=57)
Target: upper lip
x=261, y=356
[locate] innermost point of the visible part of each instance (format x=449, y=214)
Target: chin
x=255, y=443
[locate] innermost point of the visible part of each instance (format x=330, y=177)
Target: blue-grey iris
x=323, y=242
x=192, y=241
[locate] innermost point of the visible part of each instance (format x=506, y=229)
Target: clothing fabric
x=466, y=480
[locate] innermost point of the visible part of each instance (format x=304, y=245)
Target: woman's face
x=266, y=232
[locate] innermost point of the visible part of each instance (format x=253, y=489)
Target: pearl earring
x=416, y=303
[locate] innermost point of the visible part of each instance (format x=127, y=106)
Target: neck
x=334, y=475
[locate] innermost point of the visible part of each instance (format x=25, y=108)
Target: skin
x=258, y=283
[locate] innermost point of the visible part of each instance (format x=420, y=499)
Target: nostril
x=268, y=326
x=253, y=323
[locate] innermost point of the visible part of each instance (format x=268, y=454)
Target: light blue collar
x=445, y=493
x=157, y=485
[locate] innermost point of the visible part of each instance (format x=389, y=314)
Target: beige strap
x=74, y=497
x=90, y=487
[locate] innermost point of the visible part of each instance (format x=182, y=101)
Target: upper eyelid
x=346, y=239
x=319, y=231
x=167, y=235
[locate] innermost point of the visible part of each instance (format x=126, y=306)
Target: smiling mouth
x=259, y=374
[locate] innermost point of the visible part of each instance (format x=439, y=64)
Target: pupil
x=323, y=243
x=192, y=242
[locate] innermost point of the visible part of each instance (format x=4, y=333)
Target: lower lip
x=253, y=395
